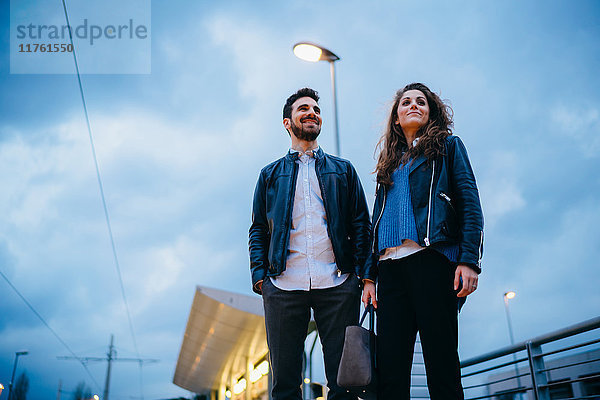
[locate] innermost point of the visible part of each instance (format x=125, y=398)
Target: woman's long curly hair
x=392, y=146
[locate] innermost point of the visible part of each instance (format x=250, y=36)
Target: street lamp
x=509, y=296
x=312, y=52
x=12, y=379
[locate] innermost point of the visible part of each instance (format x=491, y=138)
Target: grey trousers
x=287, y=314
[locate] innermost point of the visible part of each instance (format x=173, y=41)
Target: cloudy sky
x=180, y=149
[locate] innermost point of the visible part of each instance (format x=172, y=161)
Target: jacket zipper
x=318, y=173
x=445, y=197
x=378, y=219
x=429, y=209
x=480, y=250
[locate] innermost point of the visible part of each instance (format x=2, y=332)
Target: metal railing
x=533, y=381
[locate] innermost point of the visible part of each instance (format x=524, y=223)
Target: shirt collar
x=311, y=153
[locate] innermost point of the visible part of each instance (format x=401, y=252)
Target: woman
x=427, y=240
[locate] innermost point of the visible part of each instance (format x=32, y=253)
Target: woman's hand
x=368, y=295
x=469, y=280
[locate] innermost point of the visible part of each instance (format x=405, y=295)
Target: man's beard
x=301, y=134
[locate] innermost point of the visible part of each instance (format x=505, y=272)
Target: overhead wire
x=56, y=335
x=101, y=187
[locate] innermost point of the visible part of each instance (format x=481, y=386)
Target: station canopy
x=225, y=334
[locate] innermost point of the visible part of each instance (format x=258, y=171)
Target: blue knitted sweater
x=398, y=220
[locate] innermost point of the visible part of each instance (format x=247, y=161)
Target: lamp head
x=510, y=295
x=312, y=52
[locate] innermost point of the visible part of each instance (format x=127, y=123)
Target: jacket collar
x=319, y=153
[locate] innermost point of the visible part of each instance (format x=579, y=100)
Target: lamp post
x=12, y=379
x=312, y=52
x=508, y=296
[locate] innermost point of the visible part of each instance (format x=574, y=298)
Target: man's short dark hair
x=304, y=92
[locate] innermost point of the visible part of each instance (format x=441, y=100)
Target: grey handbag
x=357, y=370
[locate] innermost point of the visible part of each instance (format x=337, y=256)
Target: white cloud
x=28, y=193
x=264, y=83
x=257, y=55
x=176, y=267
x=499, y=188
x=160, y=177
x=578, y=123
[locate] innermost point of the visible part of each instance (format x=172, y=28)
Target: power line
x=48, y=326
x=101, y=186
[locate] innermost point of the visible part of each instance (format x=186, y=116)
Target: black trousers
x=287, y=314
x=416, y=294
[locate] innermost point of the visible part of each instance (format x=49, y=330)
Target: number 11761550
x=45, y=48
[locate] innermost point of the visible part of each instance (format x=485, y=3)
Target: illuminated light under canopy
x=240, y=386
x=308, y=52
x=263, y=368
x=510, y=295
x=255, y=375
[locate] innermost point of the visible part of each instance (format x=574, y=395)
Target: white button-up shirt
x=310, y=263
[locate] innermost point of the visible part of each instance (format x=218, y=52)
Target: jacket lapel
x=418, y=161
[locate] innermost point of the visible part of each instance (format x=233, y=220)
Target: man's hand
x=368, y=295
x=469, y=280
x=259, y=285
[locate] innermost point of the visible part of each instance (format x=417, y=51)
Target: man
x=309, y=239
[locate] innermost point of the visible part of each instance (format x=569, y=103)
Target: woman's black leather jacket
x=445, y=203
x=345, y=205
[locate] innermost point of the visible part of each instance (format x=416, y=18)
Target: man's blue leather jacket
x=346, y=210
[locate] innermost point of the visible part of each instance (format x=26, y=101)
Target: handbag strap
x=371, y=310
